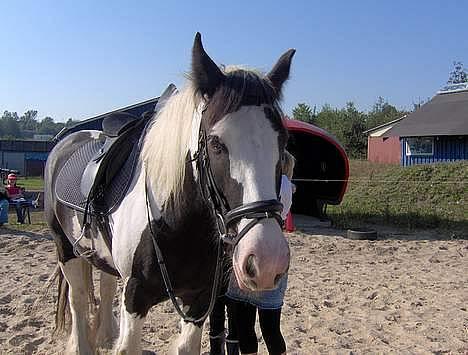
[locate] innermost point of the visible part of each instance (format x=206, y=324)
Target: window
x=420, y=146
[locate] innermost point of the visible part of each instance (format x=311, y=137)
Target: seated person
x=14, y=191
x=3, y=206
x=15, y=194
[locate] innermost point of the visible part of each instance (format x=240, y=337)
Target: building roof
x=379, y=130
x=446, y=114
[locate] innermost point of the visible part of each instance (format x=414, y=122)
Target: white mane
x=167, y=144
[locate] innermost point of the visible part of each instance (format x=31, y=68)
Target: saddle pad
x=68, y=182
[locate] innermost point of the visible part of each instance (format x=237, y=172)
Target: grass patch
x=31, y=183
x=421, y=196
x=38, y=223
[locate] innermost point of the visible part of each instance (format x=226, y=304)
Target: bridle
x=226, y=219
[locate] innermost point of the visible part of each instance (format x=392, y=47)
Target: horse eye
x=216, y=144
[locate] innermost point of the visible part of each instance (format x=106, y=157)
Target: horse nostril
x=250, y=267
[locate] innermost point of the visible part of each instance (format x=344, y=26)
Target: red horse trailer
x=322, y=168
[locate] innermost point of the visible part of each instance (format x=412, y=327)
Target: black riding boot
x=232, y=347
x=217, y=344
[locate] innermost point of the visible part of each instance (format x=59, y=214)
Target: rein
x=167, y=280
x=225, y=219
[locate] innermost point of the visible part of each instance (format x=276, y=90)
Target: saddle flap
x=105, y=164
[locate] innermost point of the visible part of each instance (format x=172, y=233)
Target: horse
x=205, y=179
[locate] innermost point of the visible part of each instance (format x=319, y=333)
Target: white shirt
x=286, y=192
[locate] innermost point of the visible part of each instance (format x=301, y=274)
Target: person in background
x=16, y=195
x=245, y=304
x=223, y=341
x=287, y=187
x=4, y=205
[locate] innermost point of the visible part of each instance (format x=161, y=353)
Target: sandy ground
x=404, y=293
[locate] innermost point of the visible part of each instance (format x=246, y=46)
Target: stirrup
x=87, y=253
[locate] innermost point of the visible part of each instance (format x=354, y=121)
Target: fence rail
x=382, y=181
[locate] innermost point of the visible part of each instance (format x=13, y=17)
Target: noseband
x=227, y=218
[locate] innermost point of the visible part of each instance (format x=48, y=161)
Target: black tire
x=361, y=234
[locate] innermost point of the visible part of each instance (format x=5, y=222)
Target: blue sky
x=81, y=58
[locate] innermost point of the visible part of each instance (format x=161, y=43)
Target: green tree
x=28, y=121
x=10, y=127
x=303, y=112
x=382, y=112
x=458, y=74
x=347, y=125
x=330, y=119
x=355, y=141
x=47, y=126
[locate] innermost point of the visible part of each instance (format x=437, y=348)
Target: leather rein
x=225, y=217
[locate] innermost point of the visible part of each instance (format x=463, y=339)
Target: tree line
x=348, y=124
x=14, y=126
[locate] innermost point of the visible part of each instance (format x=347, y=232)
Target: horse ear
x=205, y=73
x=280, y=72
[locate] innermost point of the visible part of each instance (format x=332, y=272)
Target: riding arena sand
x=404, y=293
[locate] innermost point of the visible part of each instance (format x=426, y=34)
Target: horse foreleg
x=77, y=274
x=189, y=340
x=131, y=321
x=107, y=324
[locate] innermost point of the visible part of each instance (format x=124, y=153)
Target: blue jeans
x=20, y=206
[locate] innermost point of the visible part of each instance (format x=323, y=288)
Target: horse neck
x=190, y=204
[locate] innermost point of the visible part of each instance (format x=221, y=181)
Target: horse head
x=245, y=141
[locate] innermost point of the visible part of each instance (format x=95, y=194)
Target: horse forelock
x=240, y=87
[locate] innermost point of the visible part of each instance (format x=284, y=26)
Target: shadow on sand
x=32, y=235
x=312, y=225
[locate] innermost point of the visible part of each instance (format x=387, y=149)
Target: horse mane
x=168, y=140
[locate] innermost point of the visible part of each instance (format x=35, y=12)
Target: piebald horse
x=208, y=170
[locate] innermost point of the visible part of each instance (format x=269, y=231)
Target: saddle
x=100, y=171
x=96, y=177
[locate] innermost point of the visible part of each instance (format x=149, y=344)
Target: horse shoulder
x=129, y=222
